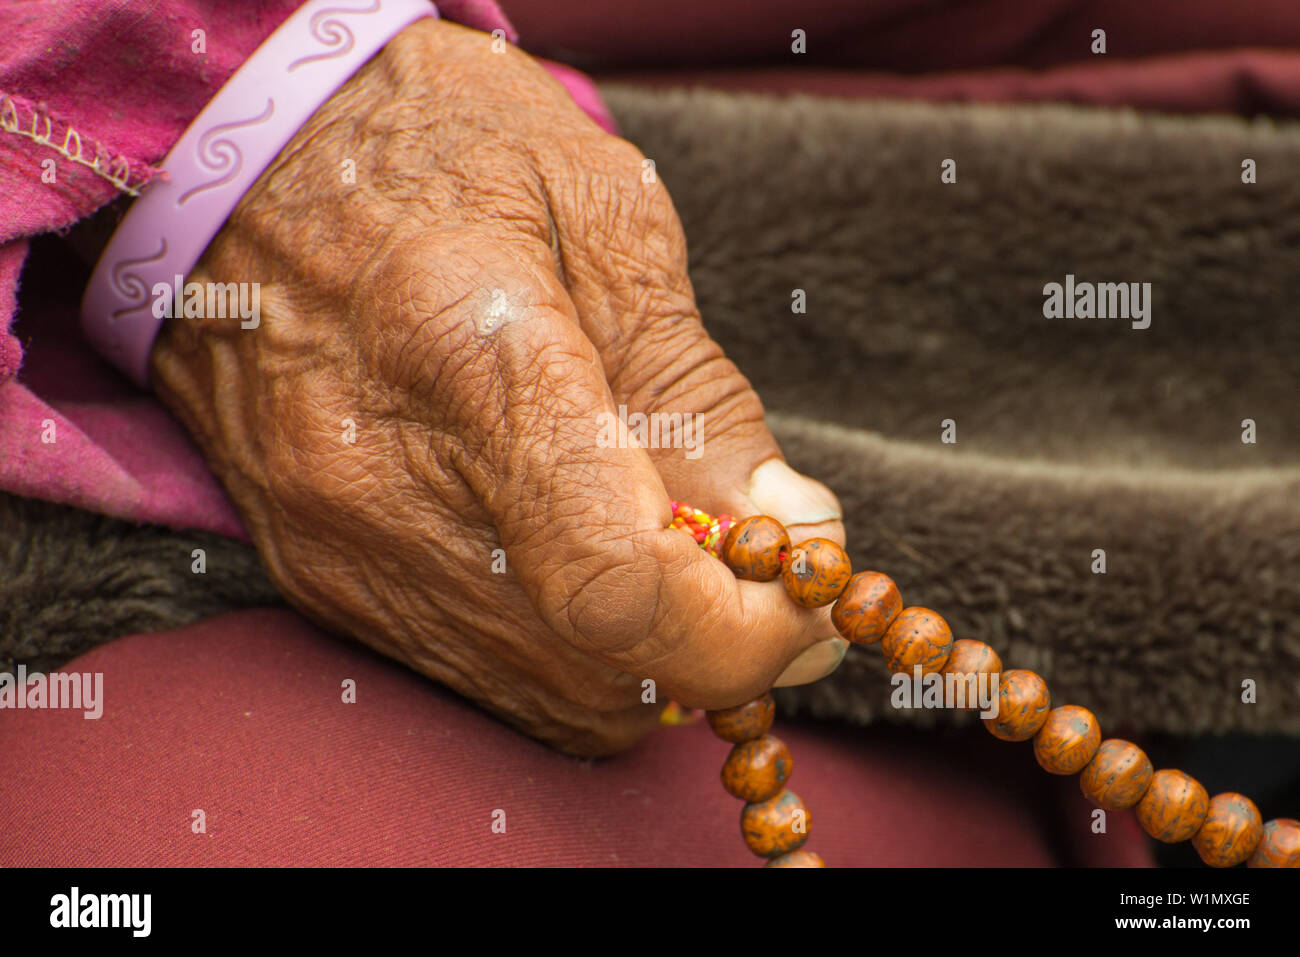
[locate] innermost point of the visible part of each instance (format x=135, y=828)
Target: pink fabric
x=242, y=717
x=69, y=75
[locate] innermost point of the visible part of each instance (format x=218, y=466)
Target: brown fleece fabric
x=71, y=580
x=925, y=303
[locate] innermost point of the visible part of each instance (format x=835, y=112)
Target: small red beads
x=869, y=604
x=708, y=531
x=1279, y=846
x=744, y=722
x=1067, y=740
x=775, y=826
x=1173, y=807
x=816, y=572
x=755, y=548
x=757, y=770
x=918, y=636
x=1231, y=831
x=1117, y=776
x=1022, y=706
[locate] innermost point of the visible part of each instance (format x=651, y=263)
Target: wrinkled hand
x=438, y=342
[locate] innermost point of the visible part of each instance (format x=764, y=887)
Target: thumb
x=518, y=402
x=625, y=267
x=623, y=257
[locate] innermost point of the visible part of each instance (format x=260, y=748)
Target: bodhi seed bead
x=869, y=604
x=744, y=722
x=1067, y=740
x=1279, y=846
x=799, y=858
x=1170, y=805
x=1117, y=776
x=918, y=636
x=757, y=770
x=816, y=571
x=1023, y=702
x=1173, y=807
x=755, y=547
x=1231, y=831
x=775, y=826
x=972, y=659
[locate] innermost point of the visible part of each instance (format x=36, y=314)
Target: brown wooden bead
x=1117, y=776
x=757, y=770
x=918, y=636
x=1067, y=740
x=800, y=858
x=754, y=547
x=1231, y=831
x=867, y=607
x=816, y=571
x=972, y=659
x=775, y=826
x=1173, y=807
x=1280, y=845
x=745, y=722
x=1023, y=703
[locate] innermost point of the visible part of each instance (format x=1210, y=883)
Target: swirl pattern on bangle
x=130, y=286
x=332, y=33
x=222, y=155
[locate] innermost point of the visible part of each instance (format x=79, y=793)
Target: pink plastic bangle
x=219, y=157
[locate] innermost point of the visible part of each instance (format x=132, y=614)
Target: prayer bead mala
x=1171, y=806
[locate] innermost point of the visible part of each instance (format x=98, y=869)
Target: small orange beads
x=868, y=606
x=816, y=572
x=918, y=636
x=1279, y=846
x=1023, y=702
x=1117, y=776
x=775, y=826
x=1067, y=740
x=972, y=659
x=1170, y=805
x=744, y=722
x=1231, y=831
x=774, y=822
x=1173, y=807
x=757, y=770
x=800, y=858
x=754, y=548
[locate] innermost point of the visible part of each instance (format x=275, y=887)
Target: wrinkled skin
x=498, y=276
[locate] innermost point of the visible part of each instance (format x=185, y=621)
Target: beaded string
x=1171, y=805
x=708, y=532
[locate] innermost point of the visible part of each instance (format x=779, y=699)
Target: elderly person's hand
x=414, y=433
